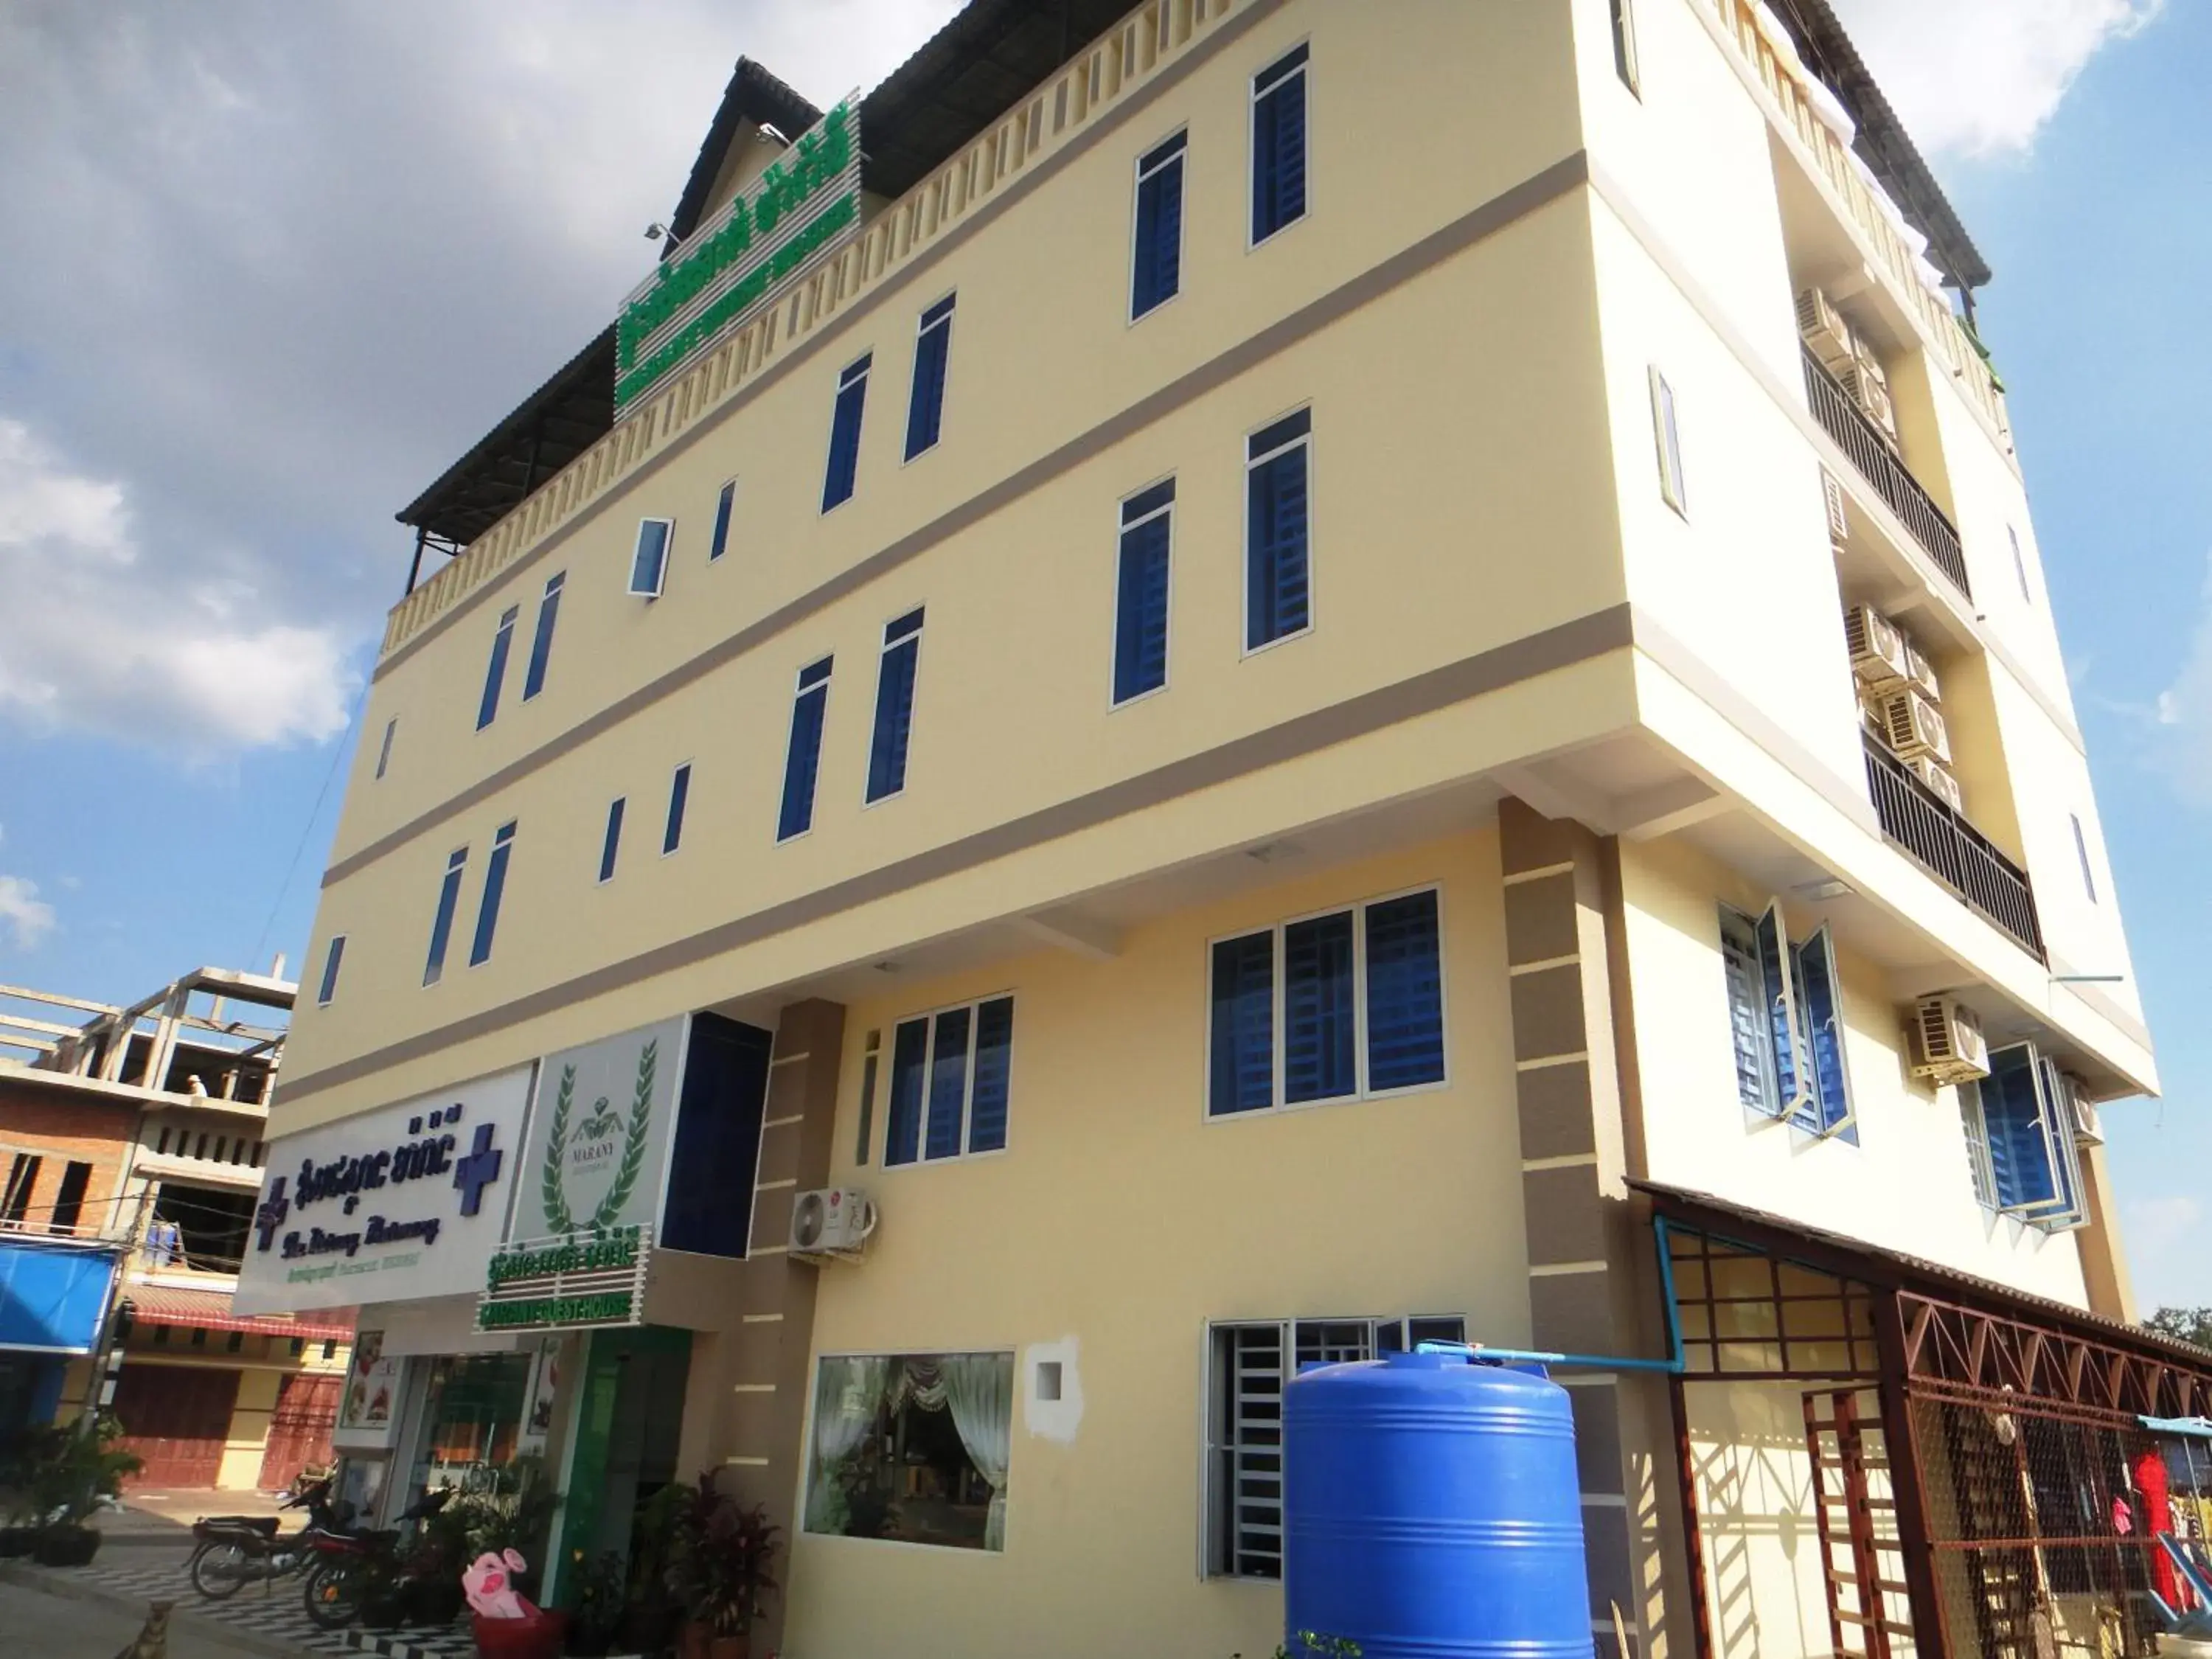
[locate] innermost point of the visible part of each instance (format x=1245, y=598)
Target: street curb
x=77, y=1589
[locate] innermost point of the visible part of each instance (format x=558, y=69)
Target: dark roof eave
x=754, y=95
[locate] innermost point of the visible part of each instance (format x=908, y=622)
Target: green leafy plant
x=722, y=1554
x=2192, y=1325
x=1311, y=1646
x=600, y=1584
x=66, y=1472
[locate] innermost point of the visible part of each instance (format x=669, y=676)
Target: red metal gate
x=177, y=1417
x=299, y=1432
x=1855, y=1508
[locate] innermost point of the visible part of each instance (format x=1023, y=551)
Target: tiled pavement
x=271, y=1611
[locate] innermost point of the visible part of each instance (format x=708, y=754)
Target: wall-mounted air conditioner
x=1880, y=656
x=1914, y=726
x=1871, y=393
x=1921, y=672
x=1946, y=1041
x=1824, y=331
x=831, y=1222
x=1939, y=778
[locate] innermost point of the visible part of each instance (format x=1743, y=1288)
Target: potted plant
x=730, y=1558
x=601, y=1585
x=653, y=1609
x=428, y=1591
x=68, y=1474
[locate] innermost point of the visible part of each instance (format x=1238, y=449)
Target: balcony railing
x=1860, y=440
x=1927, y=826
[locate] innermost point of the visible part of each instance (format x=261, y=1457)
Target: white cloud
x=22, y=913
x=97, y=639
x=2180, y=729
x=1980, y=77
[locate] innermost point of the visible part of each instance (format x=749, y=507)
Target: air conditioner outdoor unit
x=1921, y=673
x=831, y=1221
x=1872, y=396
x=1832, y=493
x=1826, y=334
x=2087, y=1127
x=1880, y=656
x=1914, y=726
x=1947, y=1044
x=1939, y=778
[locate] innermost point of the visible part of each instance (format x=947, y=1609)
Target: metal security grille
x=1855, y=1506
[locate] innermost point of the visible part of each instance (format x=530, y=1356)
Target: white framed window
x=648, y=563
x=1247, y=1363
x=1277, y=531
x=611, y=843
x=1141, y=593
x=951, y=1077
x=441, y=923
x=911, y=1449
x=1786, y=1020
x=2023, y=1125
x=1667, y=435
x=1344, y=1004
x=1278, y=139
x=1155, y=241
x=494, y=888
x=725, y=505
x=679, y=795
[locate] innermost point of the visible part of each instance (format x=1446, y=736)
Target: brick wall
x=60, y=1127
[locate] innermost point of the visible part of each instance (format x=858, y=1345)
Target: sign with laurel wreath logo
x=599, y=1135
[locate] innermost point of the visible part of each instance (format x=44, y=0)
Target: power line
x=338, y=752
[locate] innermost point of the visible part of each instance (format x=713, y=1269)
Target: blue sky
x=281, y=265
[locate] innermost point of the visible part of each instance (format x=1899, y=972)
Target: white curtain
x=846, y=1397
x=979, y=1388
x=922, y=1382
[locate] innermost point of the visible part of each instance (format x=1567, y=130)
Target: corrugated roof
x=168, y=1304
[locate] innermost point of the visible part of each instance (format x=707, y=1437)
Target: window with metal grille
x=932, y=349
x=1278, y=144
x=1785, y=1021
x=541, y=642
x=894, y=727
x=1156, y=257
x=1339, y=1007
x=441, y=925
x=1140, y=600
x=950, y=1076
x=838, y=478
x=1248, y=1364
x=494, y=888
x=802, y=758
x=502, y=642
x=1278, y=594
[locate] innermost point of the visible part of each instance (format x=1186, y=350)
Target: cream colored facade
x=1516, y=644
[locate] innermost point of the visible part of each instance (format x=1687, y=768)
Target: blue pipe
x=1674, y=1365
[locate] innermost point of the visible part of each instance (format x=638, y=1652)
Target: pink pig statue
x=489, y=1586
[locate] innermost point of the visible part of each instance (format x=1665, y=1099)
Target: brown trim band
x=1488, y=219
x=938, y=251
x=1595, y=635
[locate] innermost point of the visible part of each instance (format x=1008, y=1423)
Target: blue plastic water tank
x=1430, y=1508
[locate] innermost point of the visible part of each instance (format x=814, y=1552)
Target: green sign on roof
x=802, y=206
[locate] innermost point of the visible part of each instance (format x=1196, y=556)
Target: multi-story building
x=1280, y=741
x=132, y=1140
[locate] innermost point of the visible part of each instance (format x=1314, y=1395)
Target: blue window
x=494, y=888
x=610, y=846
x=932, y=346
x=1786, y=1024
x=1276, y=591
x=845, y=435
x=1358, y=999
x=723, y=505
x=1279, y=145
x=893, y=727
x=950, y=1073
x=802, y=759
x=441, y=927
x=541, y=642
x=1140, y=600
x=679, y=792
x=495, y=674
x=648, y=563
x=329, y=988
x=383, y=750
x=1156, y=269
x=2020, y=1131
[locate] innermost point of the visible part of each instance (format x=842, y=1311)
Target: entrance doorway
x=177, y=1419
x=627, y=1424
x=299, y=1428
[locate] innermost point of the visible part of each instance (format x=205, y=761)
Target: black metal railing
x=1860, y=440
x=1960, y=856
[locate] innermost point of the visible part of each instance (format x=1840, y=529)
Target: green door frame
x=584, y=1471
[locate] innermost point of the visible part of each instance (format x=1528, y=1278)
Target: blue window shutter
x=845, y=435
x=887, y=746
x=1821, y=989
x=1405, y=993
x=611, y=847
x=442, y=926
x=2013, y=1115
x=1748, y=1028
x=1243, y=1025
x=648, y=564
x=679, y=793
x=1320, y=1051
x=1140, y=621
x=1157, y=269
x=330, y=984
x=1279, y=146
x=802, y=759
x=948, y=1083
x=994, y=1050
x=2065, y=1153
x=541, y=644
x=909, y=1053
x=925, y=409
x=1793, y=1084
x=494, y=888
x=495, y=674
x=723, y=506
x=1275, y=555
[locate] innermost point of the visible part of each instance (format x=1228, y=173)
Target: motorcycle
x=352, y=1567
x=230, y=1551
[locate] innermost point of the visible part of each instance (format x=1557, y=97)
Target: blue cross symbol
x=274, y=1210
x=476, y=1171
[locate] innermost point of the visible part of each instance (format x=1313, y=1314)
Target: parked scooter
x=352, y=1567
x=230, y=1551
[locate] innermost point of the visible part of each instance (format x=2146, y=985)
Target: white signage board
x=390, y=1206
x=599, y=1135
